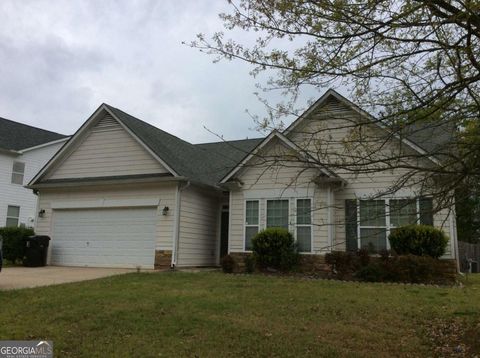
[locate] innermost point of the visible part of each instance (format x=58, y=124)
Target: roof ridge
x=30, y=126
x=230, y=141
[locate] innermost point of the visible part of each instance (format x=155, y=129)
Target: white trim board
x=279, y=193
x=44, y=145
x=105, y=203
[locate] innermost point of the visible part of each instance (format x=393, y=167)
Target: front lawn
x=218, y=315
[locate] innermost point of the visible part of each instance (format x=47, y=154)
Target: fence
x=468, y=252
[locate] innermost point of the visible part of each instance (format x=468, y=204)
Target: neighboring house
x=24, y=150
x=123, y=193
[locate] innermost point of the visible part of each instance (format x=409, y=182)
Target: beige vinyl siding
x=325, y=131
x=274, y=181
x=165, y=193
x=107, y=150
x=199, y=224
x=334, y=121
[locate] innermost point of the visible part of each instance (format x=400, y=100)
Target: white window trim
x=18, y=173
x=13, y=217
x=292, y=219
x=388, y=226
x=304, y=225
x=245, y=222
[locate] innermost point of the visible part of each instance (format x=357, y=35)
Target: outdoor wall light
x=41, y=213
x=165, y=210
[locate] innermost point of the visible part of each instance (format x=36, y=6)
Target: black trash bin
x=36, y=249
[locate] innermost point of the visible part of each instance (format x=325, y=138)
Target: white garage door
x=104, y=237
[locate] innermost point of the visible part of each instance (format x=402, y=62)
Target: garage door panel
x=104, y=237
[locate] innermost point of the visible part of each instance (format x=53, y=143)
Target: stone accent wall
x=163, y=259
x=316, y=264
x=313, y=263
x=308, y=263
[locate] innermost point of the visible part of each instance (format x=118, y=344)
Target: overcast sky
x=61, y=59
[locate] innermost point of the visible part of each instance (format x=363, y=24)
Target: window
x=17, y=173
x=373, y=227
x=403, y=212
x=277, y=213
x=377, y=217
x=251, y=222
x=304, y=225
x=13, y=213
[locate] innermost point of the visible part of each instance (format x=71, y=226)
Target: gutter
x=104, y=181
x=44, y=144
x=10, y=152
x=176, y=228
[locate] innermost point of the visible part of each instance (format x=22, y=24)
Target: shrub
x=275, y=248
x=420, y=240
x=384, y=255
x=363, y=257
x=249, y=262
x=409, y=268
x=14, y=242
x=415, y=269
x=373, y=272
x=228, y=264
x=342, y=263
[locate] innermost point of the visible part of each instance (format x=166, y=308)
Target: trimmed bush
x=275, y=248
x=228, y=264
x=341, y=262
x=345, y=263
x=14, y=242
x=408, y=269
x=249, y=262
x=419, y=240
x=373, y=272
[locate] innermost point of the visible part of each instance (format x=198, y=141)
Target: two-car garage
x=104, y=237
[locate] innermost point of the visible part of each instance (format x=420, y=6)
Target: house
x=123, y=193
x=24, y=150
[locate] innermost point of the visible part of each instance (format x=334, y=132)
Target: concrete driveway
x=21, y=277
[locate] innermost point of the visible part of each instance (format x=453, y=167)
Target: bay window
x=278, y=213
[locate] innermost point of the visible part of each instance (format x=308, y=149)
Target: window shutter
x=351, y=225
x=426, y=211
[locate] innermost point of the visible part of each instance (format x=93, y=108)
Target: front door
x=224, y=233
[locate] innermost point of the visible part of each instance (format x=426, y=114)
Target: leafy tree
x=413, y=64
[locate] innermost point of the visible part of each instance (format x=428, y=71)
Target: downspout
x=453, y=236
x=176, y=227
x=330, y=216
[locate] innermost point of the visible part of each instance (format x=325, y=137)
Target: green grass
x=218, y=315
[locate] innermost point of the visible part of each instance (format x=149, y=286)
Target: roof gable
x=204, y=163
x=98, y=121
x=407, y=140
x=106, y=150
x=283, y=139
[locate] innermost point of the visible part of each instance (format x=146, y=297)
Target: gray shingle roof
x=435, y=138
x=18, y=136
x=206, y=163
